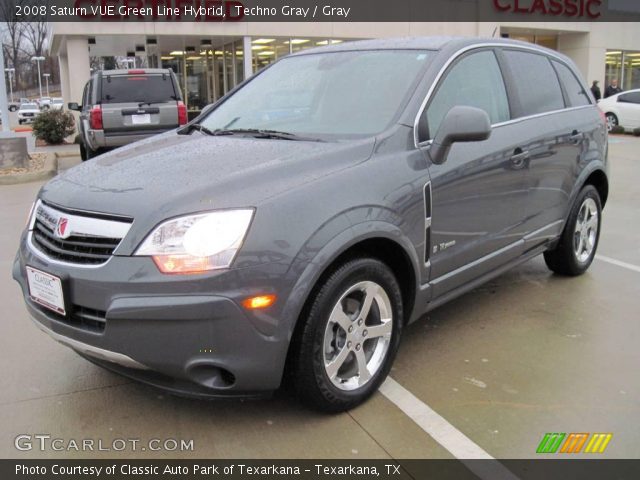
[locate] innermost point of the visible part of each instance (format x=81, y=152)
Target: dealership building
x=209, y=59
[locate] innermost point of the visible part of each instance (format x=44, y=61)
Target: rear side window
x=576, y=95
x=631, y=97
x=536, y=82
x=474, y=81
x=138, y=89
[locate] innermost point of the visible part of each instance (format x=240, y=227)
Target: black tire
x=13, y=108
x=19, y=122
x=612, y=121
x=564, y=259
x=83, y=152
x=89, y=154
x=308, y=373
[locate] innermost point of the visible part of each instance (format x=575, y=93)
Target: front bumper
x=168, y=331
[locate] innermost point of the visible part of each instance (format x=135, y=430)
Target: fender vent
x=427, y=222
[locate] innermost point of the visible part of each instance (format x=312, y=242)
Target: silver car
x=123, y=106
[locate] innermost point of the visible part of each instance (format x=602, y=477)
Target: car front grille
x=75, y=249
x=76, y=237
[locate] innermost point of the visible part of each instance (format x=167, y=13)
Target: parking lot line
x=437, y=427
x=613, y=261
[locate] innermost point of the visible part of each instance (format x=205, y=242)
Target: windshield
x=138, y=89
x=336, y=94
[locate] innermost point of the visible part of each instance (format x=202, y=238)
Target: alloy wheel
x=358, y=335
x=586, y=231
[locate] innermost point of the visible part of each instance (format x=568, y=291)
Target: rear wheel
x=577, y=247
x=612, y=121
x=350, y=336
x=83, y=152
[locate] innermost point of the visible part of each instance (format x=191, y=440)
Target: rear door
x=478, y=194
x=138, y=102
x=555, y=140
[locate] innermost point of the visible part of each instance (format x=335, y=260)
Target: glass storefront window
x=623, y=66
x=613, y=68
x=631, y=78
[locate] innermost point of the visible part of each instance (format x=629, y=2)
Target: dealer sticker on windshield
x=46, y=289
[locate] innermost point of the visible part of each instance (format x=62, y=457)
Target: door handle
x=576, y=136
x=519, y=157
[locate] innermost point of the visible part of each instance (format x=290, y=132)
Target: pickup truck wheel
x=13, y=108
x=83, y=152
x=351, y=334
x=579, y=241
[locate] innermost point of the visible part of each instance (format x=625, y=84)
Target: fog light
x=261, y=301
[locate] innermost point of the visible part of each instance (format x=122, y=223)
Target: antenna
x=493, y=35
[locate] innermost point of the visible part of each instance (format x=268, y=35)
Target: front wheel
x=351, y=334
x=579, y=241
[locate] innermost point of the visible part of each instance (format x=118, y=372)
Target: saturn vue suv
x=289, y=233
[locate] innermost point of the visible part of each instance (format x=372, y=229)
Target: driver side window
x=474, y=81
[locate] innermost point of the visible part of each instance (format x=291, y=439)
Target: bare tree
x=36, y=35
x=13, y=36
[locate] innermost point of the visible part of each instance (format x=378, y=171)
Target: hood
x=172, y=174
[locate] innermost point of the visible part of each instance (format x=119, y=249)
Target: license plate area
x=141, y=119
x=46, y=290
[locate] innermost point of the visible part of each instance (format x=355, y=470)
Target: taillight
x=95, y=118
x=182, y=114
x=136, y=72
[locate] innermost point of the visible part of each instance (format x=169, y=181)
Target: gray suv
x=123, y=106
x=292, y=231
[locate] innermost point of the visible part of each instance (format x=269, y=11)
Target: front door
x=479, y=193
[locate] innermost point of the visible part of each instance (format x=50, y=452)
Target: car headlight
x=197, y=243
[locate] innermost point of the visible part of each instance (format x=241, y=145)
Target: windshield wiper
x=262, y=133
x=195, y=126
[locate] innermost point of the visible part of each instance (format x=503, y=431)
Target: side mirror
x=74, y=106
x=460, y=124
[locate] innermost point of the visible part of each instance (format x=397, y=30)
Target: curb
x=50, y=170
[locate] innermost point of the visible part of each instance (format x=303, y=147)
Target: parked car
x=57, y=104
x=622, y=109
x=122, y=106
x=44, y=102
x=28, y=112
x=220, y=258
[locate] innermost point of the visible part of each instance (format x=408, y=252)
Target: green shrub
x=617, y=129
x=53, y=126
x=636, y=132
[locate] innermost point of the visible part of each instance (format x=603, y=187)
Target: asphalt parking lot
x=526, y=354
